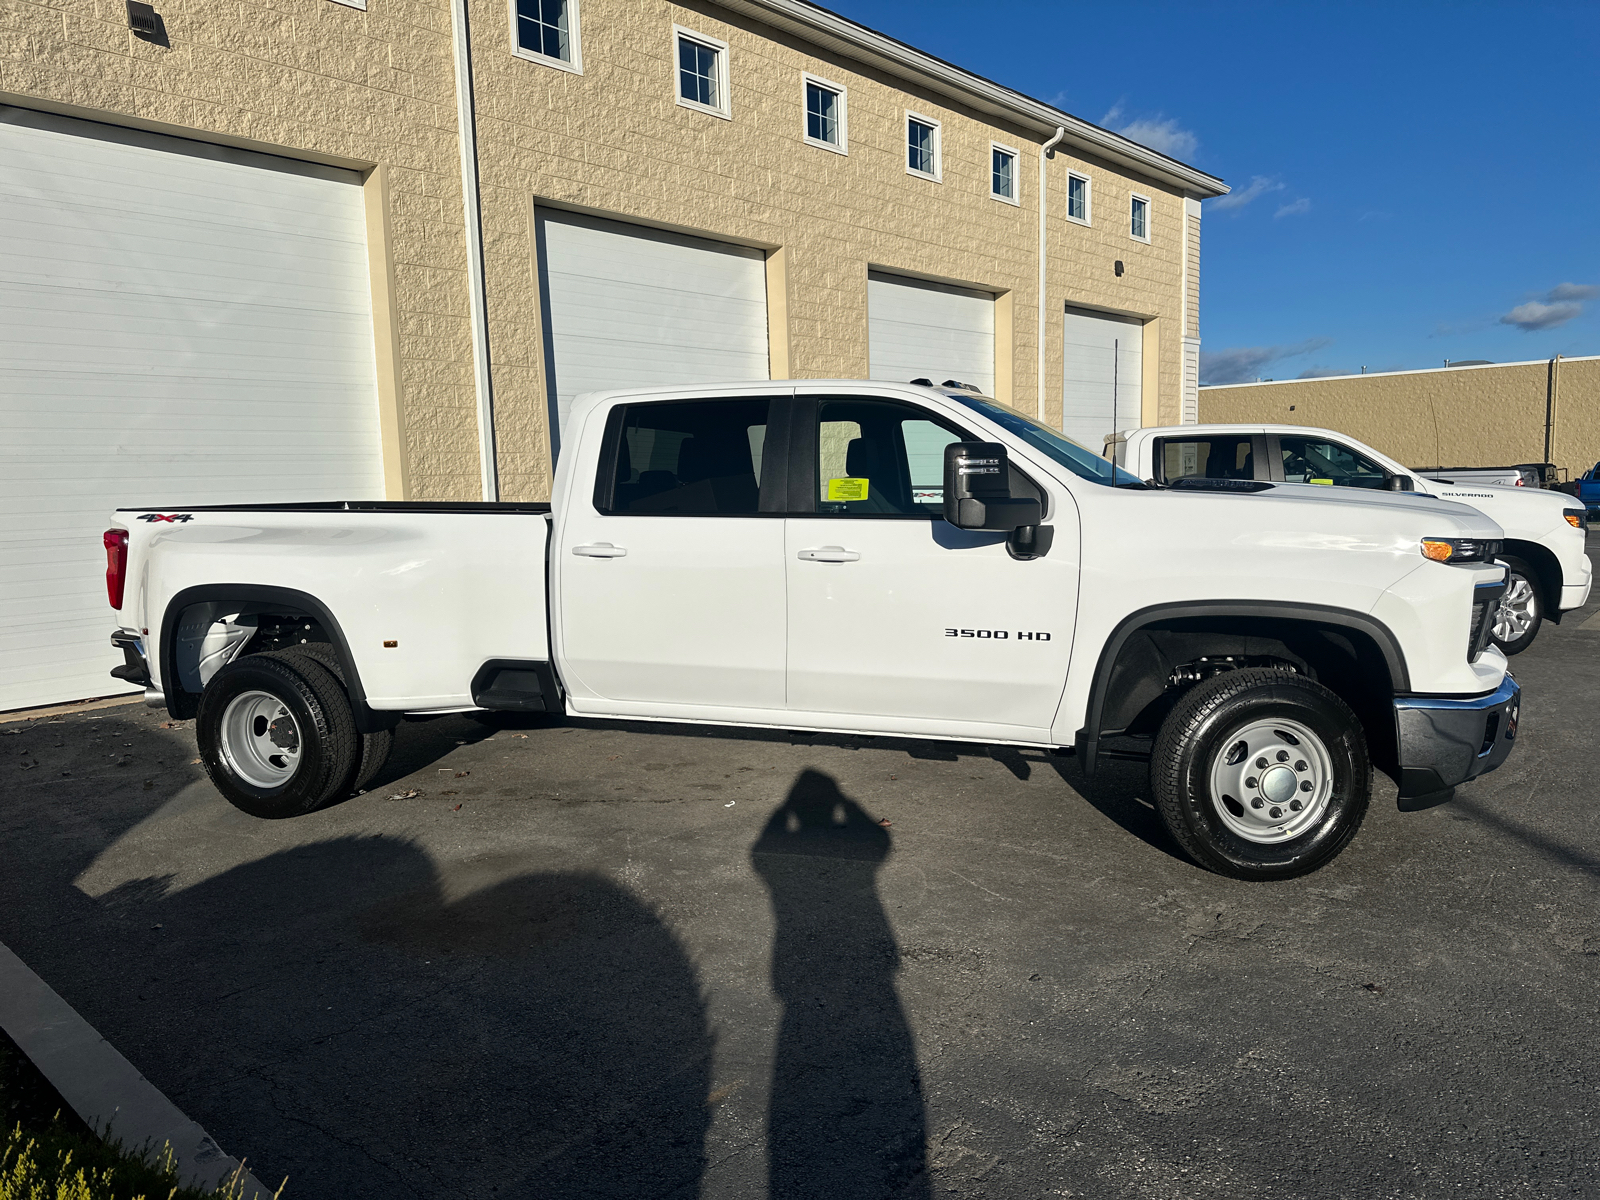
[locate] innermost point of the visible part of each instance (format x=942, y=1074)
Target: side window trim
x=1274, y=459
x=1268, y=468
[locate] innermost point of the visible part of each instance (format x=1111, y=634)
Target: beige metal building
x=1494, y=414
x=316, y=249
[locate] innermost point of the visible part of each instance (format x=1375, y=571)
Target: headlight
x=1578, y=518
x=1460, y=550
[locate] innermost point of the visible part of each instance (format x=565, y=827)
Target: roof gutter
x=833, y=32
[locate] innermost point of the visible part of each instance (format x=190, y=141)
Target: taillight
x=116, y=543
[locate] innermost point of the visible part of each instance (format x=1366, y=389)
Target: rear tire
x=376, y=746
x=1521, y=610
x=276, y=734
x=1261, y=774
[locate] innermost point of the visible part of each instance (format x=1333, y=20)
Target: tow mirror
x=977, y=489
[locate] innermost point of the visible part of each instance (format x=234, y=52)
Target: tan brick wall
x=319, y=80
x=309, y=79
x=614, y=141
x=1465, y=416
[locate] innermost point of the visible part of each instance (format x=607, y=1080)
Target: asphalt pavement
x=586, y=959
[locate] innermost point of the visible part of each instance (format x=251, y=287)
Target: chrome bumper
x=1444, y=742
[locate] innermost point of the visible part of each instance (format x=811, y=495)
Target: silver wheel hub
x=1519, y=606
x=1271, y=780
x=260, y=740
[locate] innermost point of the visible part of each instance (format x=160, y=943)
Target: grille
x=1482, y=622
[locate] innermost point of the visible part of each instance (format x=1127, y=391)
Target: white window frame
x=938, y=146
x=1149, y=216
x=843, y=145
x=574, y=24
x=724, y=109
x=1016, y=175
x=1088, y=200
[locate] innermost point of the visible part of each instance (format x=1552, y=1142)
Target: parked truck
x=1545, y=532
x=863, y=558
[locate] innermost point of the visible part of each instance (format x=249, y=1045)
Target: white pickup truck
x=1545, y=531
x=868, y=558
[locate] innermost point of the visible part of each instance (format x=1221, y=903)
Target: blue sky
x=1413, y=182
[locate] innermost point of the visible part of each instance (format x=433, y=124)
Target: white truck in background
x=867, y=558
x=1545, y=531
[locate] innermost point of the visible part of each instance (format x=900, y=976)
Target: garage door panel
x=918, y=330
x=175, y=328
x=626, y=306
x=1101, y=375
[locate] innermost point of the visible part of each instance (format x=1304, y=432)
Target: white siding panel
x=920, y=330
x=180, y=325
x=626, y=306
x=1102, y=388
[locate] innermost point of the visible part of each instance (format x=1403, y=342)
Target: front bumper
x=1443, y=741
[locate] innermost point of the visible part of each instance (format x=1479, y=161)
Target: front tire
x=1261, y=774
x=277, y=735
x=1517, y=621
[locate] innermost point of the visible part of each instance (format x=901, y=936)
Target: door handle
x=599, y=550
x=828, y=554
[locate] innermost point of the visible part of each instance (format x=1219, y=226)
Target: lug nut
x=1250, y=781
x=1305, y=785
x=1256, y=803
x=1275, y=812
x=1294, y=805
x=1261, y=764
x=1283, y=756
x=1300, y=765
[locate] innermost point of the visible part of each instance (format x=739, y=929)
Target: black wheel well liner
x=182, y=704
x=1548, y=576
x=1303, y=616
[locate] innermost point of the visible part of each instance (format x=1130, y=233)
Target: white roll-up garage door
x=919, y=330
x=180, y=325
x=627, y=306
x=1102, y=359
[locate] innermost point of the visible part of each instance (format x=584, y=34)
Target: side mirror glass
x=977, y=489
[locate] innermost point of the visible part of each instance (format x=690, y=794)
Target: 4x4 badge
x=154, y=517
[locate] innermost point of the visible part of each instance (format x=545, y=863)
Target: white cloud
x=1294, y=208
x=1259, y=186
x=1560, y=304
x=1534, y=316
x=1243, y=364
x=1161, y=133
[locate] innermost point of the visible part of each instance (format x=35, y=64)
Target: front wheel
x=277, y=735
x=1517, y=620
x=1261, y=774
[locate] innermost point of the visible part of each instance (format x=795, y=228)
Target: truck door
x=669, y=570
x=898, y=621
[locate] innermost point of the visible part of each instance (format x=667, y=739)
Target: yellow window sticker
x=847, y=489
x=1323, y=482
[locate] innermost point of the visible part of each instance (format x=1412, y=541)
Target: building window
x=1002, y=172
x=1139, y=218
x=922, y=146
x=546, y=31
x=702, y=72
x=825, y=115
x=1078, y=198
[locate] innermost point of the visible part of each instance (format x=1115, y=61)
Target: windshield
x=1057, y=446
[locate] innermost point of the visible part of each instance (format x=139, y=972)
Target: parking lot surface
x=588, y=959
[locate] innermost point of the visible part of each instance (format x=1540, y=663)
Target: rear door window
x=1331, y=464
x=1220, y=456
x=685, y=458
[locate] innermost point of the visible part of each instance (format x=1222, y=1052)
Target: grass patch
x=47, y=1153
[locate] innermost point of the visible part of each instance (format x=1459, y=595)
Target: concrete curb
x=66, y=710
x=103, y=1087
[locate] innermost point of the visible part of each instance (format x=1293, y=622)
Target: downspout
x=1552, y=387
x=466, y=120
x=1044, y=153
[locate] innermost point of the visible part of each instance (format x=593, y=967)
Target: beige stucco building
x=1494, y=414
x=357, y=249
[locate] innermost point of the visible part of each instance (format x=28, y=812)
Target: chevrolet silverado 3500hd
x=870, y=558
